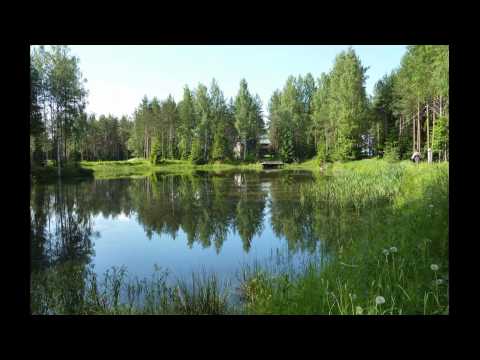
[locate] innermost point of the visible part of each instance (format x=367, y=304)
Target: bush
x=391, y=152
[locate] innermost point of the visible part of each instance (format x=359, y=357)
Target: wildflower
x=379, y=300
x=385, y=252
x=358, y=310
x=393, y=249
x=434, y=267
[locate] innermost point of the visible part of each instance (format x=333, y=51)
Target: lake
x=213, y=222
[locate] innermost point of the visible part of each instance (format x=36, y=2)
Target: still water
x=184, y=223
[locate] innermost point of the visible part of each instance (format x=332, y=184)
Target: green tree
x=222, y=142
x=347, y=105
x=242, y=114
x=62, y=93
x=187, y=123
x=203, y=131
x=36, y=126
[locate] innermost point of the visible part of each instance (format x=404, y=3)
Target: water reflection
x=206, y=208
x=61, y=227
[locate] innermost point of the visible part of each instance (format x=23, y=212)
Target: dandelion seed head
x=439, y=281
x=358, y=310
x=434, y=267
x=393, y=249
x=385, y=252
x=379, y=300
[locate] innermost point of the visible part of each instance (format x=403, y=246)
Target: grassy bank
x=393, y=259
x=69, y=171
x=140, y=167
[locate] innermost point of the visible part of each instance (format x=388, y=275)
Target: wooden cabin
x=265, y=146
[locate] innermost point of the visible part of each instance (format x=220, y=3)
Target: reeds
x=70, y=289
x=401, y=229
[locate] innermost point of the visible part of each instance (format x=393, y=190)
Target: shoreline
x=140, y=168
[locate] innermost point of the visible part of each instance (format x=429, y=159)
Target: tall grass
x=367, y=184
x=397, y=263
x=72, y=289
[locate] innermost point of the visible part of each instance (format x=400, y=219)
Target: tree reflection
x=61, y=229
x=206, y=206
x=61, y=242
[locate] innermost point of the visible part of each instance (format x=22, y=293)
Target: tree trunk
x=58, y=141
x=205, y=147
x=378, y=137
x=171, y=142
x=419, y=139
x=245, y=149
x=400, y=128
x=65, y=143
x=46, y=130
x=58, y=152
x=429, y=148
x=385, y=128
x=413, y=133
x=433, y=132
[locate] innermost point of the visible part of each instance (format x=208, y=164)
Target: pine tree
x=220, y=144
x=155, y=155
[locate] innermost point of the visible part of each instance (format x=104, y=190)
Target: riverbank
x=142, y=168
x=69, y=171
x=387, y=228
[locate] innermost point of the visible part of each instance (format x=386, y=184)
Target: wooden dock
x=272, y=164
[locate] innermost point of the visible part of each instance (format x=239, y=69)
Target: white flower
x=439, y=281
x=385, y=252
x=358, y=310
x=434, y=267
x=393, y=249
x=379, y=300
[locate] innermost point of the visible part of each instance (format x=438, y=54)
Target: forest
x=331, y=118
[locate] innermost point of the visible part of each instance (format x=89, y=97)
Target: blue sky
x=119, y=76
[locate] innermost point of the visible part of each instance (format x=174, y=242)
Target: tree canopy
x=331, y=118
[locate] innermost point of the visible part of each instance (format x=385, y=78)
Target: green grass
x=311, y=164
x=399, y=218
x=140, y=167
